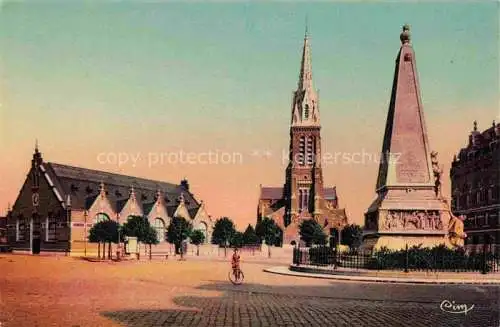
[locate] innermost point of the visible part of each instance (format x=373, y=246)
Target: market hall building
x=58, y=204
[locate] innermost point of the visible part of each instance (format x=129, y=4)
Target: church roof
x=83, y=185
x=193, y=211
x=330, y=193
x=276, y=193
x=271, y=193
x=147, y=207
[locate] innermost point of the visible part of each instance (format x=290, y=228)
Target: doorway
x=36, y=243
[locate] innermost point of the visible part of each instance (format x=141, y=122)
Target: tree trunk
x=98, y=250
x=109, y=250
x=103, y=251
x=268, y=251
x=150, y=254
x=197, y=250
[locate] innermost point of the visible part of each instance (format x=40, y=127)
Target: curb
x=281, y=270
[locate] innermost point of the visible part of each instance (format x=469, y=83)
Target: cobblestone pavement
x=42, y=291
x=302, y=308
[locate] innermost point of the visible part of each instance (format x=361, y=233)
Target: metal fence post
x=484, y=268
x=406, y=258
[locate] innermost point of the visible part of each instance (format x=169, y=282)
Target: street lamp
x=68, y=227
x=118, y=250
x=85, y=236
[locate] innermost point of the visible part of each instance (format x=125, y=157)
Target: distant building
x=475, y=185
x=304, y=195
x=58, y=204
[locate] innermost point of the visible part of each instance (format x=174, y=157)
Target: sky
x=203, y=90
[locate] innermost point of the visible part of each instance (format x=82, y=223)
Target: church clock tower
x=304, y=177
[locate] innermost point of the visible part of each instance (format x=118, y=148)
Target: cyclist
x=235, y=262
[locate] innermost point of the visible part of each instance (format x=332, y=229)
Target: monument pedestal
x=406, y=216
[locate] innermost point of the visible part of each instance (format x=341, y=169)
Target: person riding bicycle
x=235, y=261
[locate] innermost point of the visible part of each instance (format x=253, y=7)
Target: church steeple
x=305, y=99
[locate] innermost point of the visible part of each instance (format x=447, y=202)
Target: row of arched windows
x=307, y=150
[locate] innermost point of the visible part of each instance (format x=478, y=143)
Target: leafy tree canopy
x=311, y=232
x=237, y=240
x=351, y=235
x=268, y=230
x=105, y=231
x=138, y=226
x=178, y=230
x=197, y=237
x=223, y=231
x=250, y=236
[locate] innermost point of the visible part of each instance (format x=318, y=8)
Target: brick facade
x=58, y=204
x=475, y=186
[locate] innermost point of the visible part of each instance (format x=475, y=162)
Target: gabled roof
x=276, y=193
x=330, y=193
x=147, y=207
x=89, y=201
x=171, y=210
x=83, y=186
x=271, y=193
x=120, y=204
x=193, y=211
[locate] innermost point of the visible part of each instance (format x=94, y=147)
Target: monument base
x=399, y=242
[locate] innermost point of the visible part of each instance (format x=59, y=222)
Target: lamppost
x=68, y=225
x=118, y=250
x=85, y=214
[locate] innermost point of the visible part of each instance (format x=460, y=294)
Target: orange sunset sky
x=97, y=81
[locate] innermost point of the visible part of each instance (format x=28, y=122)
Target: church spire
x=406, y=146
x=305, y=101
x=305, y=79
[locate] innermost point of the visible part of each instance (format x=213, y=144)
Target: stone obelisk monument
x=408, y=209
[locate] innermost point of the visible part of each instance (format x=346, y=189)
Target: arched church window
x=306, y=111
x=310, y=150
x=302, y=150
x=100, y=217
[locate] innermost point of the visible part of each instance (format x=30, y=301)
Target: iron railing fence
x=409, y=259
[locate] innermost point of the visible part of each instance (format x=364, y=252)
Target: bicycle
x=236, y=276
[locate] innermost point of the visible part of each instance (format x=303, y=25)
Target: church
x=303, y=195
x=58, y=204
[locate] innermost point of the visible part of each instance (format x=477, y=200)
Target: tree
x=197, y=237
x=178, y=231
x=312, y=233
x=237, y=240
x=351, y=235
x=266, y=229
x=106, y=231
x=223, y=232
x=250, y=236
x=138, y=226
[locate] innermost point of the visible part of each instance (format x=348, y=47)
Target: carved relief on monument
x=412, y=220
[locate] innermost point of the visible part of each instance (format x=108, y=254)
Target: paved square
x=47, y=291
